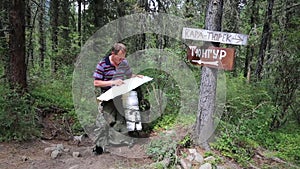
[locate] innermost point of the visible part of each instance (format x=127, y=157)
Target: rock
x=205, y=146
x=198, y=158
x=192, y=151
x=166, y=162
x=185, y=164
x=195, y=156
x=210, y=159
x=60, y=147
x=86, y=151
x=32, y=166
x=66, y=150
x=77, y=138
x=169, y=132
x=76, y=154
x=55, y=154
x=206, y=166
x=178, y=167
x=25, y=158
x=48, y=150
x=74, y=167
x=190, y=158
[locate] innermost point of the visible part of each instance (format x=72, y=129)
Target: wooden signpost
x=214, y=36
x=211, y=58
x=214, y=57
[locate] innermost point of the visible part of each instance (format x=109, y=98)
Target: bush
x=17, y=116
x=246, y=125
x=55, y=90
x=163, y=148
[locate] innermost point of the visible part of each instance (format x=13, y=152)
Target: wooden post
x=206, y=107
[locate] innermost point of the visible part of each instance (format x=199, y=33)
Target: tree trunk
x=264, y=40
x=121, y=13
x=99, y=13
x=17, y=67
x=140, y=40
x=42, y=38
x=250, y=48
x=161, y=40
x=64, y=21
x=204, y=125
x=79, y=22
x=54, y=8
x=65, y=57
x=85, y=22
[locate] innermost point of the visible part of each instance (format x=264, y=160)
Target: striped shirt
x=106, y=71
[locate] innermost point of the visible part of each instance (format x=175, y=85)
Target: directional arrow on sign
x=238, y=39
x=214, y=63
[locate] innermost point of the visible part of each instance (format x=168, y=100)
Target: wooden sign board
x=214, y=57
x=214, y=36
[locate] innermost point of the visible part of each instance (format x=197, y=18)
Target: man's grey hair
x=117, y=47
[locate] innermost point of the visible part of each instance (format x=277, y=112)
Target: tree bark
x=17, y=67
x=42, y=38
x=250, y=48
x=121, y=13
x=264, y=40
x=65, y=57
x=99, y=13
x=83, y=38
x=79, y=22
x=54, y=9
x=204, y=125
x=64, y=21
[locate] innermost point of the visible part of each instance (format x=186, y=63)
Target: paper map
x=129, y=84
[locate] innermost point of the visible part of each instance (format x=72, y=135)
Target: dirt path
x=31, y=155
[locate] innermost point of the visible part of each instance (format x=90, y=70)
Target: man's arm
x=102, y=83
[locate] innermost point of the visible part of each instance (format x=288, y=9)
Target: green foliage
x=17, y=116
x=245, y=125
x=52, y=89
x=169, y=95
x=163, y=148
x=186, y=141
x=171, y=99
x=55, y=90
x=165, y=122
x=230, y=146
x=242, y=102
x=284, y=142
x=54, y=93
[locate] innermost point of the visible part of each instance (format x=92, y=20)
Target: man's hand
x=117, y=82
x=139, y=76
